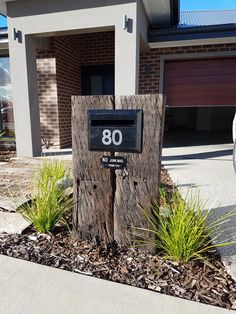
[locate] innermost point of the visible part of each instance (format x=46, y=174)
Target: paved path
x=16, y=186
x=208, y=169
x=28, y=288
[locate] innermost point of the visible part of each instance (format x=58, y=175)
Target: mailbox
x=115, y=130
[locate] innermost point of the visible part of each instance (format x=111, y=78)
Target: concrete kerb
x=28, y=288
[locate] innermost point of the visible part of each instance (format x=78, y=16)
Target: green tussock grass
x=182, y=228
x=52, y=202
x=5, y=138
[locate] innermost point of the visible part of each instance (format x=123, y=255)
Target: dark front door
x=98, y=80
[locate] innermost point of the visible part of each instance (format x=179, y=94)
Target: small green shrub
x=5, y=138
x=52, y=201
x=182, y=228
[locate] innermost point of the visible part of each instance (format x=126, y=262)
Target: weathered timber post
x=106, y=200
x=140, y=182
x=93, y=212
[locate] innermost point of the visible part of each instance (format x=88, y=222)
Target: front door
x=98, y=80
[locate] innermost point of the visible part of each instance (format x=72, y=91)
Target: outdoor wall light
x=17, y=35
x=125, y=22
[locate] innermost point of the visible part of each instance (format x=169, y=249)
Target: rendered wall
x=43, y=18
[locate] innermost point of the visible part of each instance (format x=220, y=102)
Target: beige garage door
x=200, y=83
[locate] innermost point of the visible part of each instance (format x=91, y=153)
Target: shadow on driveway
x=205, y=155
x=227, y=233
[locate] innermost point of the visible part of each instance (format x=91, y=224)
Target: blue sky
x=207, y=4
x=3, y=22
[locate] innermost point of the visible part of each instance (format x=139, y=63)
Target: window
x=6, y=106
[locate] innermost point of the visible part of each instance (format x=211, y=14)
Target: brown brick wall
x=97, y=48
x=68, y=82
x=149, y=82
x=59, y=77
x=48, y=101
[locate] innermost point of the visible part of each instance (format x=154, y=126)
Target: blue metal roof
x=205, y=18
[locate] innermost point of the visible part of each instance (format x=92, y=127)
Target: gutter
x=3, y=39
x=3, y=33
x=175, y=11
x=191, y=33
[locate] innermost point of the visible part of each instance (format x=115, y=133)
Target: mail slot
x=115, y=130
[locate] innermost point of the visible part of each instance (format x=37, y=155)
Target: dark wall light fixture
x=127, y=24
x=17, y=35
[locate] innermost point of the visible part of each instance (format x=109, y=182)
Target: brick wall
x=59, y=77
x=149, y=82
x=48, y=101
x=97, y=48
x=68, y=83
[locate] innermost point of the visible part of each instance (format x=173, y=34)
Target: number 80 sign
x=112, y=137
x=115, y=130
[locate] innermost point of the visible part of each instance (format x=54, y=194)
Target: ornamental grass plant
x=52, y=201
x=6, y=138
x=182, y=228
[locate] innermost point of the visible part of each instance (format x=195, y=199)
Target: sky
x=207, y=4
x=3, y=22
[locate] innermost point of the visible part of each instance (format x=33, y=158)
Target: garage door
x=195, y=83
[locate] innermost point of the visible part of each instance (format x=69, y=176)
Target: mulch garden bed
x=195, y=281
x=6, y=155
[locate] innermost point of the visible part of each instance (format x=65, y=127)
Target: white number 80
x=110, y=137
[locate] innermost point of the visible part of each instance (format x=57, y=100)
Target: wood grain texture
x=203, y=82
x=106, y=201
x=139, y=183
x=93, y=209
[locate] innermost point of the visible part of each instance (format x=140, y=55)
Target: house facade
x=66, y=48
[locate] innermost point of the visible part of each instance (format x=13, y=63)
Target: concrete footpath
x=28, y=288
x=208, y=169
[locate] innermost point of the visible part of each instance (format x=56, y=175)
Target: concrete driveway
x=207, y=168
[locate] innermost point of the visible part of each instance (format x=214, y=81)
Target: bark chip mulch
x=193, y=281
x=5, y=156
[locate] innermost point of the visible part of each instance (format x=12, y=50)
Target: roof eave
x=192, y=33
x=162, y=12
x=3, y=8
